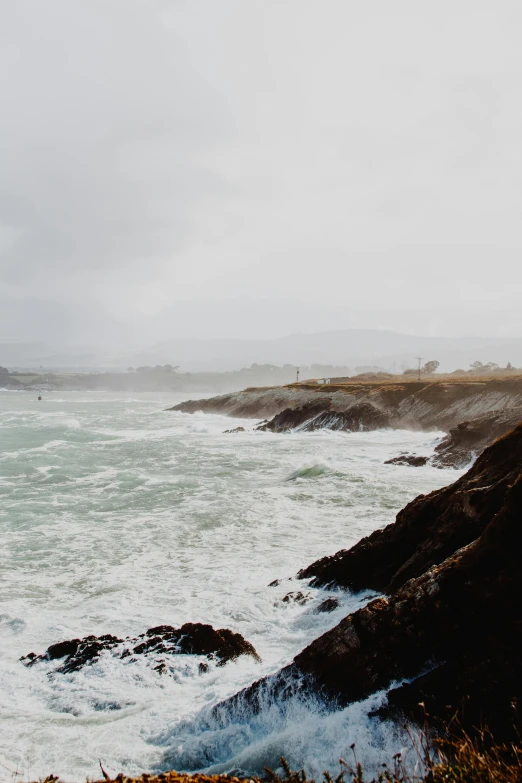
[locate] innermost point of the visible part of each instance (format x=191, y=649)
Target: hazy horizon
x=349, y=348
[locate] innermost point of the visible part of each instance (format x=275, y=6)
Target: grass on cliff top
x=463, y=760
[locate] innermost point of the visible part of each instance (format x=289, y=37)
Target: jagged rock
x=328, y=605
x=469, y=438
x=297, y=598
x=427, y=530
x=454, y=630
x=415, y=460
x=275, y=583
x=310, y=417
x=362, y=417
x=429, y=405
x=458, y=626
x=191, y=639
x=291, y=418
x=230, y=432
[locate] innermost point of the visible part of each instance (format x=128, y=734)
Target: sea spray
x=140, y=517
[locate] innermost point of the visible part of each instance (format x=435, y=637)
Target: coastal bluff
x=472, y=412
x=444, y=636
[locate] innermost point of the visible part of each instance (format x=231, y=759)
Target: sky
x=250, y=168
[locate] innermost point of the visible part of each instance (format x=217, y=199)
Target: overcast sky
x=254, y=167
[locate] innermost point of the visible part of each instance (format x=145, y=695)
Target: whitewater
x=116, y=516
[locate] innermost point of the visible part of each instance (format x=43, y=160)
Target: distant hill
x=349, y=348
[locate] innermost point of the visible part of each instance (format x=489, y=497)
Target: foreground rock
x=457, y=629
x=452, y=622
x=427, y=530
x=191, y=639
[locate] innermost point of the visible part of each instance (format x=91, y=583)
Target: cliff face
x=473, y=412
x=452, y=620
x=427, y=530
x=425, y=405
x=469, y=438
x=458, y=626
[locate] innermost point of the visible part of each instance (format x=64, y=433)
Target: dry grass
x=462, y=760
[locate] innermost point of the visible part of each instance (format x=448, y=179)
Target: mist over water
x=117, y=516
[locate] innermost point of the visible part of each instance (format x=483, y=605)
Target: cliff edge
x=450, y=626
x=472, y=412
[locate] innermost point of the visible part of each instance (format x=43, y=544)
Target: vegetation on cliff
x=457, y=760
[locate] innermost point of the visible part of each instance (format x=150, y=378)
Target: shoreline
x=472, y=413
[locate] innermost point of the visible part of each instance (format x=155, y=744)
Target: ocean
x=117, y=516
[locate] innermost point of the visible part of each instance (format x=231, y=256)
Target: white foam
x=117, y=517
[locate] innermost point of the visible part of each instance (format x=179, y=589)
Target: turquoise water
x=117, y=516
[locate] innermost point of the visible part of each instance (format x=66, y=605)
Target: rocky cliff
x=427, y=405
x=450, y=624
x=429, y=529
x=474, y=413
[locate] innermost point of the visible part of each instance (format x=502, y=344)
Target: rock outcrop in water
x=191, y=639
x=413, y=460
x=451, y=622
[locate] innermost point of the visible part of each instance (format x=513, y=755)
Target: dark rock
x=78, y=652
x=191, y=639
x=328, y=605
x=297, y=598
x=291, y=418
x=427, y=530
x=362, y=417
x=203, y=668
x=415, y=460
x=319, y=416
x=457, y=629
x=275, y=583
x=237, y=429
x=469, y=438
x=454, y=631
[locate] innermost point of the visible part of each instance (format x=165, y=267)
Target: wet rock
x=427, y=530
x=77, y=652
x=230, y=432
x=222, y=645
x=454, y=631
x=361, y=417
x=457, y=630
x=429, y=405
x=291, y=418
x=469, y=438
x=415, y=460
x=275, y=583
x=297, y=598
x=328, y=605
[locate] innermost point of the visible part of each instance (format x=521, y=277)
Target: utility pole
x=419, y=359
x=297, y=381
